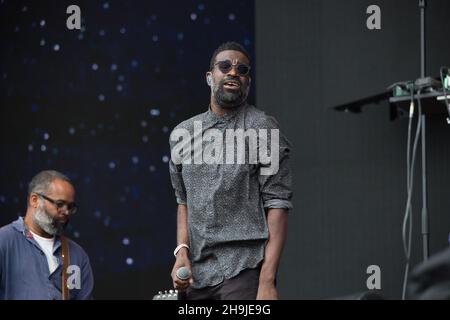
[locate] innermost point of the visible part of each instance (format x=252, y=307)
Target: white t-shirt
x=46, y=245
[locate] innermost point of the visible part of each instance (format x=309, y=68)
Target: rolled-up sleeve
x=176, y=178
x=276, y=189
x=177, y=182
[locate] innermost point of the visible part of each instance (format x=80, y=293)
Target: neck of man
x=220, y=110
x=29, y=222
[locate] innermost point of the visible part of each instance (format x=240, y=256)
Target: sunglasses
x=60, y=204
x=225, y=66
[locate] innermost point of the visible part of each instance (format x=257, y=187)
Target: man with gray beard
x=36, y=260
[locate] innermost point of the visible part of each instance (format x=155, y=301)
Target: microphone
x=183, y=273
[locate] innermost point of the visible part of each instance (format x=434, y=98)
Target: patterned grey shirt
x=225, y=202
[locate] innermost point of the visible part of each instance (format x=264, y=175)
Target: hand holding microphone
x=183, y=273
x=182, y=277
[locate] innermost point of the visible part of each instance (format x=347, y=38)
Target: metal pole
x=425, y=228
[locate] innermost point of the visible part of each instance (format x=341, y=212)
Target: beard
x=227, y=99
x=47, y=223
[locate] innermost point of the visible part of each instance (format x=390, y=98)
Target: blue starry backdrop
x=98, y=104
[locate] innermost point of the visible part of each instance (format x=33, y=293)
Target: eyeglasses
x=60, y=204
x=226, y=65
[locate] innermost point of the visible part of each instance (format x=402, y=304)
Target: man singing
x=232, y=201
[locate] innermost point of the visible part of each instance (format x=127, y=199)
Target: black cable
x=408, y=213
x=410, y=184
x=408, y=168
x=408, y=216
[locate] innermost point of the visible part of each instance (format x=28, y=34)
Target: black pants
x=244, y=286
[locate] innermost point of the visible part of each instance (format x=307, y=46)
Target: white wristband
x=183, y=245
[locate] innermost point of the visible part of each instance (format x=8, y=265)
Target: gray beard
x=229, y=99
x=46, y=222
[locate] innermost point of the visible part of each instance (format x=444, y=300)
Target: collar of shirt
x=20, y=226
x=229, y=115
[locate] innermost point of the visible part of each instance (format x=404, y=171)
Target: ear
x=34, y=201
x=209, y=78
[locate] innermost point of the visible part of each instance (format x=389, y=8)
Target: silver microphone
x=183, y=273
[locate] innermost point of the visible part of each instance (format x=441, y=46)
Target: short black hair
x=230, y=45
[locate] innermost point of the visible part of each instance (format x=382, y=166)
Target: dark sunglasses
x=226, y=65
x=60, y=204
